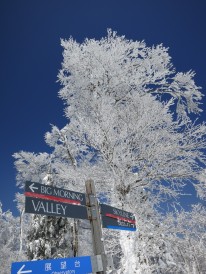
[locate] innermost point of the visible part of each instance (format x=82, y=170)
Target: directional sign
x=51, y=208
x=77, y=265
x=53, y=201
x=112, y=223
x=47, y=192
x=117, y=213
x=115, y=218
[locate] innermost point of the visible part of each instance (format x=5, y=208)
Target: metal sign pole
x=94, y=216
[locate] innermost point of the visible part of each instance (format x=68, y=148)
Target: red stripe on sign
x=53, y=198
x=120, y=218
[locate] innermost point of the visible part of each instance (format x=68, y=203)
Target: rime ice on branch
x=132, y=128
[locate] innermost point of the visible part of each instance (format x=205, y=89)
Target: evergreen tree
x=49, y=237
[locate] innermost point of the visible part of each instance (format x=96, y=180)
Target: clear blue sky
x=31, y=55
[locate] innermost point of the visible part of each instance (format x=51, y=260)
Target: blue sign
x=76, y=265
x=112, y=223
x=116, y=218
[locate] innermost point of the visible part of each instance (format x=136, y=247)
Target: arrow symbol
x=32, y=187
x=25, y=271
x=132, y=216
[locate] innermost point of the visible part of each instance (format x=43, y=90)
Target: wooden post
x=94, y=216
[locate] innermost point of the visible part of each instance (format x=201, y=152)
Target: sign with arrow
x=21, y=270
x=76, y=265
x=54, y=193
x=116, y=218
x=53, y=201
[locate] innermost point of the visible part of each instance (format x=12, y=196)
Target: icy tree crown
x=115, y=67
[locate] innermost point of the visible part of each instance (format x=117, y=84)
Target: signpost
x=116, y=218
x=94, y=216
x=77, y=265
x=53, y=201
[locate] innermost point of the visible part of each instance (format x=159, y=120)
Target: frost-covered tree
x=49, y=237
x=9, y=240
x=24, y=221
x=128, y=106
x=117, y=92
x=129, y=128
x=201, y=187
x=186, y=233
